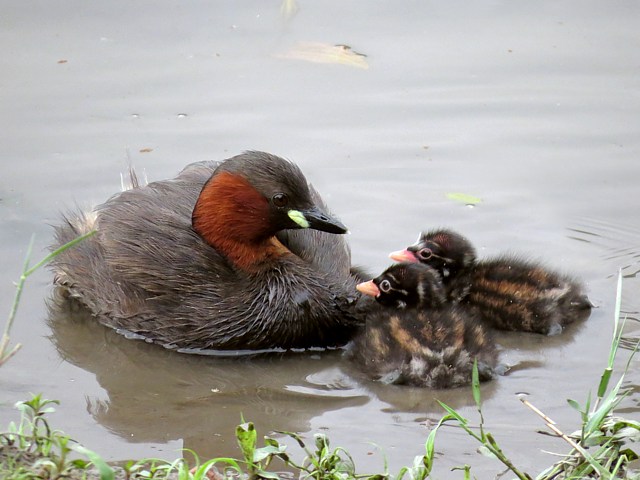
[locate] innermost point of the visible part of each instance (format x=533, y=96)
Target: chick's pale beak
x=314, y=218
x=403, y=256
x=368, y=288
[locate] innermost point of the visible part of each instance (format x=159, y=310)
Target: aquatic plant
x=5, y=351
x=31, y=449
x=601, y=448
x=489, y=444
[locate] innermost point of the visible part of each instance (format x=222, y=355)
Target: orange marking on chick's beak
x=368, y=288
x=403, y=256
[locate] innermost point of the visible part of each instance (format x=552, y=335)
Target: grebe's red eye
x=425, y=254
x=280, y=200
x=384, y=286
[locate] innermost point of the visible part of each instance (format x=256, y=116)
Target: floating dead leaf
x=146, y=150
x=323, y=53
x=464, y=198
x=288, y=9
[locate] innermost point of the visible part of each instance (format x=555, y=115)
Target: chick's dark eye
x=425, y=253
x=280, y=200
x=384, y=286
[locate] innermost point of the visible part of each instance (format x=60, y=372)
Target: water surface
x=533, y=107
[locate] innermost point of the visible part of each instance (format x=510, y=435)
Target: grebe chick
x=195, y=262
x=508, y=292
x=412, y=337
x=406, y=285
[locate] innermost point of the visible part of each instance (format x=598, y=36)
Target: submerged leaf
x=464, y=198
x=288, y=8
x=324, y=53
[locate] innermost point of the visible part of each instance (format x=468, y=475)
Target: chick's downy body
x=413, y=337
x=508, y=292
x=206, y=260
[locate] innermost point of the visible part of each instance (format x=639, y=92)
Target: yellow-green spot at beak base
x=299, y=218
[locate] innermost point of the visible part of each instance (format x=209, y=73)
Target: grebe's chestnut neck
x=240, y=217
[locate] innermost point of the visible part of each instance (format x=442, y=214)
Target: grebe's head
x=445, y=250
x=406, y=285
x=252, y=196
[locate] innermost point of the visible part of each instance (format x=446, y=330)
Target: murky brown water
x=531, y=107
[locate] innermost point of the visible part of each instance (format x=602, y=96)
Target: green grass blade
x=106, y=472
x=26, y=272
x=58, y=251
x=618, y=327
x=19, y=287
x=475, y=385
x=453, y=414
x=605, y=408
x=430, y=446
x=604, y=382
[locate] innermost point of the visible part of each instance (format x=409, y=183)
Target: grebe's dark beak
x=314, y=218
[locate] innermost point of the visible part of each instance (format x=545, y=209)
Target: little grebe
x=414, y=337
x=508, y=292
x=207, y=261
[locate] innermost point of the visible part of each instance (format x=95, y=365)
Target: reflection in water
x=156, y=395
x=404, y=399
